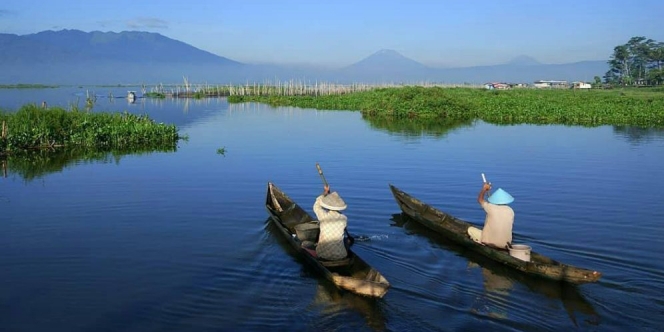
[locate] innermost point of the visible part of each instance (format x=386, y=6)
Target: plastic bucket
x=307, y=231
x=520, y=251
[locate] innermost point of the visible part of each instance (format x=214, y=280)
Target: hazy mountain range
x=77, y=57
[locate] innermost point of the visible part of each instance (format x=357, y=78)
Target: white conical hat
x=333, y=201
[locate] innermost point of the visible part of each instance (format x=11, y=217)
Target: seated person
x=497, y=230
x=331, y=244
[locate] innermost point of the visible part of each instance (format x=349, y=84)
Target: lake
x=180, y=241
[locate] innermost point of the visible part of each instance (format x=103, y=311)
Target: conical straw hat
x=333, y=201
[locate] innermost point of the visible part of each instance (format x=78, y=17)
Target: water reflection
x=438, y=127
x=328, y=297
x=185, y=104
x=257, y=108
x=496, y=287
x=499, y=280
x=118, y=100
x=639, y=135
x=34, y=165
x=332, y=300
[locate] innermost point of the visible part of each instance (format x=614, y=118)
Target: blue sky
x=341, y=32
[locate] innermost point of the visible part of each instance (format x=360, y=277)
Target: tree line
x=638, y=62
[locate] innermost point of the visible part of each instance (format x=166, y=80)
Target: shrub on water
x=152, y=94
x=32, y=127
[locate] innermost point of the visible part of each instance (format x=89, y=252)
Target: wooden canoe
x=456, y=230
x=352, y=274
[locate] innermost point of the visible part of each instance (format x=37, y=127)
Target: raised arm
x=485, y=188
x=320, y=212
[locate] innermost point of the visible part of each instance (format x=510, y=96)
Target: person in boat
x=333, y=238
x=497, y=231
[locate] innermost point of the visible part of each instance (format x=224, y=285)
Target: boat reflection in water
x=500, y=281
x=329, y=299
x=495, y=286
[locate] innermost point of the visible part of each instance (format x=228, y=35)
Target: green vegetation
x=159, y=95
x=638, y=62
x=27, y=86
x=34, y=128
x=200, y=94
x=630, y=106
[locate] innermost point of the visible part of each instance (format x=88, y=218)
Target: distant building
x=550, y=84
x=496, y=86
x=581, y=85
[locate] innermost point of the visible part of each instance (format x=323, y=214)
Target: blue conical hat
x=500, y=197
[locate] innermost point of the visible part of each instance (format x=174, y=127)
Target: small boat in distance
x=456, y=230
x=131, y=96
x=297, y=226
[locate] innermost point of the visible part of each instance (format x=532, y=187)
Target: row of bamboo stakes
x=287, y=88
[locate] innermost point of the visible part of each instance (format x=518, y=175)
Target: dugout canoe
x=456, y=230
x=352, y=274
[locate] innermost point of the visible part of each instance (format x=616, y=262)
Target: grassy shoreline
x=642, y=107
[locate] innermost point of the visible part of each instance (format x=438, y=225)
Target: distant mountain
x=385, y=66
x=524, y=60
x=72, y=46
x=390, y=66
x=385, y=60
x=77, y=57
x=519, y=73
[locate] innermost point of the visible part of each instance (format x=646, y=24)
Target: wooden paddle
x=320, y=172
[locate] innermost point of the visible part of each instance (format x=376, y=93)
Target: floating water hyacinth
x=641, y=107
x=32, y=128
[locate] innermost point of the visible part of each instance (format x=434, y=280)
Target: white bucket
x=520, y=251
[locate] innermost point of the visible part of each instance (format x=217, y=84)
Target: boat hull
x=354, y=275
x=456, y=230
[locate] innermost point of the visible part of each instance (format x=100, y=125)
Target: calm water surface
x=180, y=241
